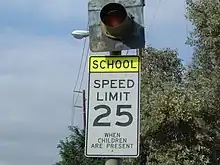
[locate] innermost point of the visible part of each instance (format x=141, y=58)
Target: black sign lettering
x=95, y=65
x=105, y=83
x=124, y=113
x=114, y=134
x=101, y=66
x=113, y=141
x=119, y=146
x=98, y=97
x=132, y=64
x=96, y=121
x=130, y=84
x=112, y=96
x=126, y=95
x=126, y=64
x=110, y=63
x=121, y=84
x=115, y=64
x=106, y=96
x=97, y=84
x=119, y=112
x=113, y=84
x=96, y=145
x=118, y=64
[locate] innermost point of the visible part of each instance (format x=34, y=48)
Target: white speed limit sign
x=113, y=107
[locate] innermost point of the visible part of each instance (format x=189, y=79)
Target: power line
x=83, y=73
x=154, y=16
x=187, y=29
x=80, y=87
x=81, y=60
x=80, y=66
x=77, y=79
x=76, y=82
x=84, y=69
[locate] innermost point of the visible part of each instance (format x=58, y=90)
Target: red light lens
x=113, y=14
x=114, y=18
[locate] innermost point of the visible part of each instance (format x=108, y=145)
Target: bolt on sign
x=113, y=120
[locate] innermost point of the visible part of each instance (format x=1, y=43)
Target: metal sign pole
x=113, y=162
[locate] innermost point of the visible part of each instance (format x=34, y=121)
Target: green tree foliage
x=180, y=114
x=169, y=110
x=204, y=75
x=165, y=117
x=205, y=17
x=179, y=121
x=72, y=150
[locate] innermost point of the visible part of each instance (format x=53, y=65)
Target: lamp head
x=80, y=34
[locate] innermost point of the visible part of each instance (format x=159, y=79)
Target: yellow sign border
x=116, y=63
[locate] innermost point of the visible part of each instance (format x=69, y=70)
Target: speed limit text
x=113, y=83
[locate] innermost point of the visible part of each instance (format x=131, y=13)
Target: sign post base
x=113, y=162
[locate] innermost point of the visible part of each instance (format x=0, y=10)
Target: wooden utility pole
x=84, y=109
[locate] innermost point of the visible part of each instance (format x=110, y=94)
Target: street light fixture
x=80, y=34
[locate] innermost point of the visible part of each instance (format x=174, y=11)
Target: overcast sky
x=39, y=60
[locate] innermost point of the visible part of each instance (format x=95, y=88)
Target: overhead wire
x=80, y=86
x=80, y=65
x=186, y=27
x=154, y=16
x=76, y=83
x=83, y=73
x=77, y=80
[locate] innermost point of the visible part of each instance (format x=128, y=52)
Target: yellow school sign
x=114, y=63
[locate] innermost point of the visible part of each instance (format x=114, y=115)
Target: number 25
x=119, y=112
